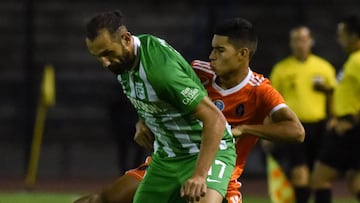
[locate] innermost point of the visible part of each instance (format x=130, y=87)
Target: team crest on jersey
x=139, y=90
x=240, y=110
x=220, y=104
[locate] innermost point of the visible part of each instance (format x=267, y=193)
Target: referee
x=306, y=82
x=341, y=147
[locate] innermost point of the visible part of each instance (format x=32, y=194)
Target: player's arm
x=283, y=125
x=143, y=135
x=213, y=129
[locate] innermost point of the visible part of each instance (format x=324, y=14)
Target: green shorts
x=165, y=176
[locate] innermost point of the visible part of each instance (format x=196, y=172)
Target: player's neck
x=231, y=80
x=302, y=57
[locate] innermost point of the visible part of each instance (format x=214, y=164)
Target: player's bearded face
x=121, y=63
x=115, y=55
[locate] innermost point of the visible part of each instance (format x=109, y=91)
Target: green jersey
x=165, y=90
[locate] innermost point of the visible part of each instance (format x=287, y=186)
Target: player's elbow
x=222, y=121
x=219, y=125
x=299, y=133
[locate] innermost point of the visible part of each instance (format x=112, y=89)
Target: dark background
x=88, y=133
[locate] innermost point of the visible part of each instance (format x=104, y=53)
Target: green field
x=28, y=197
x=35, y=197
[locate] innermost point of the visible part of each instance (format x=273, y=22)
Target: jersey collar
x=136, y=52
x=235, y=88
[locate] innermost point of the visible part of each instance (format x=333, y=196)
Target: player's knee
x=300, y=175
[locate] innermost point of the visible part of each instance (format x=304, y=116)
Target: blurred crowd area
x=89, y=132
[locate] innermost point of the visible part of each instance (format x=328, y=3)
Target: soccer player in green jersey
x=340, y=150
x=171, y=101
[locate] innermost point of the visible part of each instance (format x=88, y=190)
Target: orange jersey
x=140, y=171
x=247, y=103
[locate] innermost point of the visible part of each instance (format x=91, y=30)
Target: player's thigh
x=220, y=171
x=122, y=190
x=163, y=180
x=212, y=196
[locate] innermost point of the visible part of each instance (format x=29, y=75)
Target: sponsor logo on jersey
x=189, y=95
x=220, y=104
x=139, y=90
x=240, y=110
x=145, y=107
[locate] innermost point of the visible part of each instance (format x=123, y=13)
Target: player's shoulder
x=147, y=37
x=355, y=54
x=258, y=79
x=203, y=71
x=322, y=61
x=317, y=57
x=149, y=45
x=151, y=42
x=262, y=88
x=202, y=65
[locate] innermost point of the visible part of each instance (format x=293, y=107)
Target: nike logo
x=212, y=180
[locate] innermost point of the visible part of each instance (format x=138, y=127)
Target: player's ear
x=123, y=35
x=244, y=52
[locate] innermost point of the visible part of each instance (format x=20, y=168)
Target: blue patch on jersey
x=220, y=104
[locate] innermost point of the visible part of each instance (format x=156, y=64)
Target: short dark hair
x=240, y=32
x=352, y=23
x=109, y=20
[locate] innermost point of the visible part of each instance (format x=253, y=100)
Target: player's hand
x=237, y=131
x=193, y=189
x=339, y=126
x=342, y=126
x=143, y=136
x=91, y=198
x=331, y=123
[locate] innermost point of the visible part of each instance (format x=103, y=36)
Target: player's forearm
x=211, y=137
x=288, y=131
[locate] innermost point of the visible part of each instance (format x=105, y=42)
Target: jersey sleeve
x=203, y=71
x=272, y=99
x=173, y=78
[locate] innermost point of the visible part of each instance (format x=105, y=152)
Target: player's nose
x=212, y=55
x=105, y=62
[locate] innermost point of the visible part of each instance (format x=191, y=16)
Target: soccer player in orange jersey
x=245, y=98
